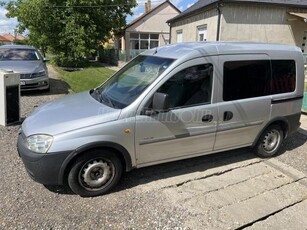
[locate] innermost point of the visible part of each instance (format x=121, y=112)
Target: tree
x=70, y=29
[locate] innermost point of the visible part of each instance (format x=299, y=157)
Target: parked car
x=27, y=61
x=169, y=103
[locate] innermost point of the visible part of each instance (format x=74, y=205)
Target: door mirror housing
x=160, y=103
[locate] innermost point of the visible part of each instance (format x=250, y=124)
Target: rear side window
x=256, y=78
x=245, y=79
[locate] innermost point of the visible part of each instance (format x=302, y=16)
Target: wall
x=189, y=26
x=246, y=22
x=155, y=22
x=261, y=23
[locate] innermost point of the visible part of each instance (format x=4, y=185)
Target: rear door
x=244, y=104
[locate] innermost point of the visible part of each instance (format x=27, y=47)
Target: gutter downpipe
x=218, y=7
x=170, y=33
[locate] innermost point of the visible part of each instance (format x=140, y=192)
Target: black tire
x=94, y=173
x=269, y=142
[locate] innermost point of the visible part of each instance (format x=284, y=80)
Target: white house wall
x=155, y=22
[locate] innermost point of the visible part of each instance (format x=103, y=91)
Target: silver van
x=169, y=103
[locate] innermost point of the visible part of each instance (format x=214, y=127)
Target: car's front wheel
x=94, y=173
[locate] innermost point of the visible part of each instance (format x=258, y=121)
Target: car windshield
x=18, y=55
x=128, y=83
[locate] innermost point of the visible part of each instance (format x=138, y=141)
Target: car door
x=188, y=127
x=244, y=101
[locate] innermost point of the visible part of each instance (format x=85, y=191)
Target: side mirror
x=160, y=103
x=45, y=59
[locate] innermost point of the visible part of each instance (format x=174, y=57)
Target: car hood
x=68, y=113
x=22, y=66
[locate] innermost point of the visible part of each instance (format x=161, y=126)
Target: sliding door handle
x=207, y=118
x=228, y=115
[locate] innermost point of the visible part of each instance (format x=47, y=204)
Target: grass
x=85, y=79
x=305, y=88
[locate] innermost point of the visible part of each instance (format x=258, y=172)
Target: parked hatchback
x=27, y=61
x=169, y=103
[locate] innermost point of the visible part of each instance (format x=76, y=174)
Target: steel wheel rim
x=96, y=174
x=271, y=141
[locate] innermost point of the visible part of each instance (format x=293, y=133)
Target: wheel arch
x=281, y=121
x=119, y=150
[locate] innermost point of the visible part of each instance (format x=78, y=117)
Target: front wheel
x=94, y=173
x=270, y=141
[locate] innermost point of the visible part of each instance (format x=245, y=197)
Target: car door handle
x=228, y=115
x=207, y=118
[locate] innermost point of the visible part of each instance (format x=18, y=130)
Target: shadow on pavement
x=198, y=164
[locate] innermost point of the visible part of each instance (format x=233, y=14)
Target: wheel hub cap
x=95, y=174
x=271, y=141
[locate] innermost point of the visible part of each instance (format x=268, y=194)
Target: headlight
x=39, y=143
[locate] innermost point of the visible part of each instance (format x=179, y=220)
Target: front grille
x=25, y=76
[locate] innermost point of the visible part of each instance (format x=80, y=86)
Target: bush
x=65, y=61
x=21, y=42
x=108, y=56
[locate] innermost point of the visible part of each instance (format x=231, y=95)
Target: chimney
x=148, y=6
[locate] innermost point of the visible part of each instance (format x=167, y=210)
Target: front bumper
x=43, y=168
x=40, y=83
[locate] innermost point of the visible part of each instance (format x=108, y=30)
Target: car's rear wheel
x=270, y=141
x=94, y=173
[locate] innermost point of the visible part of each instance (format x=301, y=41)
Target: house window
x=143, y=41
x=202, y=33
x=179, y=36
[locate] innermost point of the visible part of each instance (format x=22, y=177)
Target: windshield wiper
x=104, y=97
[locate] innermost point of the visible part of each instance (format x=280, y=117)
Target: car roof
x=17, y=47
x=197, y=49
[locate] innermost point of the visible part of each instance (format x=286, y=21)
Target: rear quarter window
x=256, y=78
x=283, y=76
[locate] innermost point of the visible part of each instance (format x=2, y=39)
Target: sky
x=7, y=25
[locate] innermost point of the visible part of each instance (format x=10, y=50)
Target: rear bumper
x=43, y=168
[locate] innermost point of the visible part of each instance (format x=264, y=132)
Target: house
x=149, y=30
x=271, y=21
x=4, y=41
x=8, y=39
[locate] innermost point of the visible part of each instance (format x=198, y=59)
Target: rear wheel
x=270, y=141
x=95, y=173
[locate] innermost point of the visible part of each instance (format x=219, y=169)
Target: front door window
x=191, y=86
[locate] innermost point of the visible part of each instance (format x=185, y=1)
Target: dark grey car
x=27, y=61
